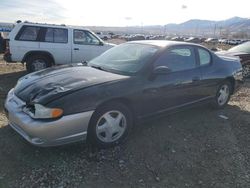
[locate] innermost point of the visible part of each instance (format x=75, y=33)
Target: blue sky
x=120, y=12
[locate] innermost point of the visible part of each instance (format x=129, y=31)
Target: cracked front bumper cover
x=67, y=129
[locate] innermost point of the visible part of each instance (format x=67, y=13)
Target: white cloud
x=31, y=10
x=116, y=12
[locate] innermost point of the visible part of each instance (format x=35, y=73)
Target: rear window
x=43, y=34
x=204, y=57
x=28, y=33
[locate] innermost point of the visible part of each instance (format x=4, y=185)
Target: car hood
x=49, y=84
x=110, y=44
x=228, y=56
x=228, y=53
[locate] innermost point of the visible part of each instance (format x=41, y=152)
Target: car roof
x=163, y=43
x=53, y=25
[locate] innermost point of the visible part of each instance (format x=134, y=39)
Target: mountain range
x=235, y=27
x=207, y=27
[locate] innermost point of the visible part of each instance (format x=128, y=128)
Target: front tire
x=36, y=63
x=110, y=125
x=223, y=94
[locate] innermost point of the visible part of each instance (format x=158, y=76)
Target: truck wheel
x=36, y=63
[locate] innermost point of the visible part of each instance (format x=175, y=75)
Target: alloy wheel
x=111, y=126
x=223, y=95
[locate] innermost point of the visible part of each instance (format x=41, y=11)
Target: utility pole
x=214, y=29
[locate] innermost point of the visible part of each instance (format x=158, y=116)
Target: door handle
x=76, y=48
x=151, y=90
x=196, y=79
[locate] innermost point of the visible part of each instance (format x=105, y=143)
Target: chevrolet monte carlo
x=99, y=101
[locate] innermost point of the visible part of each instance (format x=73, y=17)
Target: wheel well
x=232, y=81
x=124, y=101
x=33, y=53
x=245, y=62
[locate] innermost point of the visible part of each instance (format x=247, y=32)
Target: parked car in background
x=193, y=40
x=223, y=41
x=177, y=38
x=101, y=101
x=43, y=45
x=168, y=37
x=5, y=36
x=243, y=52
x=233, y=42
x=135, y=37
x=1, y=44
x=103, y=36
x=211, y=40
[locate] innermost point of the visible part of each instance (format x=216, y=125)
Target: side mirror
x=161, y=70
x=101, y=43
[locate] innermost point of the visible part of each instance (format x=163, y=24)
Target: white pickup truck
x=45, y=45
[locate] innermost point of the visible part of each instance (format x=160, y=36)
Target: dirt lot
x=193, y=148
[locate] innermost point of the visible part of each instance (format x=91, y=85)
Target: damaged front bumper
x=67, y=129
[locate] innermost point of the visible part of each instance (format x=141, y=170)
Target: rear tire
x=110, y=125
x=223, y=94
x=37, y=62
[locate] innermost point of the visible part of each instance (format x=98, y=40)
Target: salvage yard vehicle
x=45, y=45
x=243, y=52
x=101, y=100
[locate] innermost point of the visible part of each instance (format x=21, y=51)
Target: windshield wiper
x=84, y=62
x=97, y=67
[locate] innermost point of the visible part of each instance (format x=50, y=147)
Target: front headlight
x=38, y=111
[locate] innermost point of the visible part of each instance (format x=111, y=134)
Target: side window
x=49, y=36
x=204, y=57
x=56, y=35
x=28, y=33
x=177, y=59
x=60, y=35
x=85, y=38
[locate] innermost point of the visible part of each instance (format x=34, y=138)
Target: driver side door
x=177, y=88
x=85, y=46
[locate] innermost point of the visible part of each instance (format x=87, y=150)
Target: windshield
x=126, y=58
x=245, y=47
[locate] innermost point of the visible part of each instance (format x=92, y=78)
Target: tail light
x=7, y=52
x=7, y=49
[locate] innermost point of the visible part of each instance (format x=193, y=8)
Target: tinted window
x=56, y=35
x=49, y=35
x=177, y=59
x=85, y=37
x=204, y=56
x=61, y=35
x=29, y=33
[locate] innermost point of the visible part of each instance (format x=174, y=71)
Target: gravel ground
x=199, y=147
